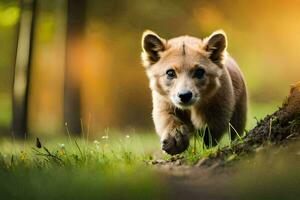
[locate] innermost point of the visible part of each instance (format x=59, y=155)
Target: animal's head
x=185, y=70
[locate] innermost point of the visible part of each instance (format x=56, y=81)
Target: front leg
x=175, y=139
x=173, y=126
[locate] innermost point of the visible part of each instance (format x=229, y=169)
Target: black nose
x=185, y=96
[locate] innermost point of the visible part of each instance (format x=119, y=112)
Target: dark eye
x=199, y=73
x=171, y=74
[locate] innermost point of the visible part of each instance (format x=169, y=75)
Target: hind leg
x=218, y=124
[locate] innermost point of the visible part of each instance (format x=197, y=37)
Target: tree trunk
x=22, y=68
x=76, y=19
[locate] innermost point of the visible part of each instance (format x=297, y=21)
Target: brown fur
x=219, y=97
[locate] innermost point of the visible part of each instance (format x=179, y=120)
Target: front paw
x=176, y=141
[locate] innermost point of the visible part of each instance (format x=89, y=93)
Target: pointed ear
x=216, y=45
x=152, y=45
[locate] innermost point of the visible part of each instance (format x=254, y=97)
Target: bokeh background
x=103, y=56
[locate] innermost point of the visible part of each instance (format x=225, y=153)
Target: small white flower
x=127, y=136
x=105, y=137
x=61, y=145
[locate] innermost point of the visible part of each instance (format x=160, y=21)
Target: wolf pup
x=194, y=83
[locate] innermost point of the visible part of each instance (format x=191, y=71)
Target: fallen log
x=281, y=127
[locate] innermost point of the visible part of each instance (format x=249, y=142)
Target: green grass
x=70, y=168
x=76, y=169
x=116, y=167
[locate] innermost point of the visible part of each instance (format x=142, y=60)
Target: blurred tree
x=22, y=67
x=76, y=19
